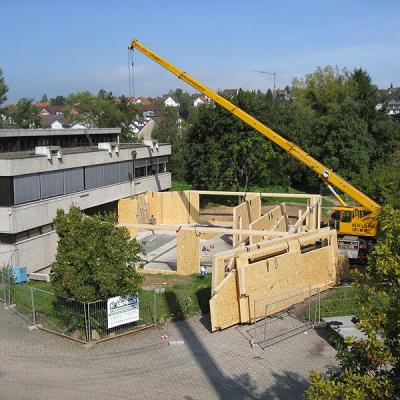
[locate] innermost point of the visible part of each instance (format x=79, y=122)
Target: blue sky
x=63, y=46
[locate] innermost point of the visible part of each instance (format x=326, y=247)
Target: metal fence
x=281, y=317
x=6, y=281
x=275, y=316
x=82, y=321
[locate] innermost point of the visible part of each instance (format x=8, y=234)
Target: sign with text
x=122, y=310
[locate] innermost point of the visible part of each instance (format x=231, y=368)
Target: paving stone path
x=224, y=365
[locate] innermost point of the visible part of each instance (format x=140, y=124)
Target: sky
x=62, y=46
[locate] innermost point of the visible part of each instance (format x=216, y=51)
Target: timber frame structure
x=272, y=253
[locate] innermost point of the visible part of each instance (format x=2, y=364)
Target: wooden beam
x=201, y=229
x=278, y=195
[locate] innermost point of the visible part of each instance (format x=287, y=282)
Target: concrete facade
x=27, y=237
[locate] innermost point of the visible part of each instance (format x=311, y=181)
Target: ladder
x=143, y=212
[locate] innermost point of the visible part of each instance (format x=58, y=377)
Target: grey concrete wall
x=39, y=252
x=35, y=253
x=27, y=216
x=29, y=165
x=59, y=132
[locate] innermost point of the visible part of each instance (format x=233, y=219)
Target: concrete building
x=42, y=170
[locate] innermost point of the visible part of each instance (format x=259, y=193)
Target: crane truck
x=356, y=224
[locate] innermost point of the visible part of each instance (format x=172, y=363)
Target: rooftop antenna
x=268, y=73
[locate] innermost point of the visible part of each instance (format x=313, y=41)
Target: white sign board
x=122, y=310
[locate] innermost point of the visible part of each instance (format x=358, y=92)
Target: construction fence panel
x=100, y=328
x=276, y=319
x=66, y=317
x=5, y=284
x=337, y=302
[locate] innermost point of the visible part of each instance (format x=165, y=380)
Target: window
x=52, y=184
x=111, y=174
x=6, y=191
x=140, y=172
x=26, y=188
x=126, y=171
x=7, y=238
x=94, y=177
x=346, y=216
x=73, y=180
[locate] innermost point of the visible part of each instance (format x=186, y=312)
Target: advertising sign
x=122, y=310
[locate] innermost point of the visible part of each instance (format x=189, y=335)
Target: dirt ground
x=166, y=280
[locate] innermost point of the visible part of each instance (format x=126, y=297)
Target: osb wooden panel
x=218, y=272
x=282, y=274
x=224, y=307
x=272, y=220
x=278, y=276
x=127, y=213
x=173, y=207
x=187, y=252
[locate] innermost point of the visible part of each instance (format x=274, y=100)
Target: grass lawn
x=341, y=301
x=180, y=185
x=180, y=300
x=183, y=296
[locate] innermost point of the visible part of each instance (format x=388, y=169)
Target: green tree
x=58, y=101
x=370, y=368
x=3, y=88
x=323, y=90
x=365, y=94
x=171, y=129
x=94, y=258
x=44, y=99
x=102, y=111
x=24, y=114
x=224, y=153
x=383, y=182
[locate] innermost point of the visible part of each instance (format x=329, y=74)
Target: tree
x=170, y=129
x=3, y=88
x=383, y=182
x=24, y=114
x=94, y=258
x=224, y=153
x=102, y=111
x=58, y=101
x=44, y=99
x=370, y=368
x=365, y=94
x=323, y=90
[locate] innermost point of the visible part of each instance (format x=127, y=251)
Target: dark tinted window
x=6, y=191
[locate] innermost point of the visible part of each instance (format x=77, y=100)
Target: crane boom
x=326, y=174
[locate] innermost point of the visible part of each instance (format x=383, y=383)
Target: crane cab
x=356, y=221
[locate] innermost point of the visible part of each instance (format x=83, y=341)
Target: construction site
x=255, y=253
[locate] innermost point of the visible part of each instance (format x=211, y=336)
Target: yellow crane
x=356, y=220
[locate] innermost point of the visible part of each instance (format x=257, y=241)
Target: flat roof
x=70, y=150
x=10, y=133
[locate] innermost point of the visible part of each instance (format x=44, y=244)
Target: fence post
x=4, y=286
x=86, y=321
x=309, y=305
x=9, y=286
x=88, y=318
x=33, y=306
x=319, y=306
x=155, y=308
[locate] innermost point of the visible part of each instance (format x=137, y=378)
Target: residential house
x=200, y=99
x=393, y=107
x=229, y=93
x=170, y=102
x=150, y=110
x=49, y=114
